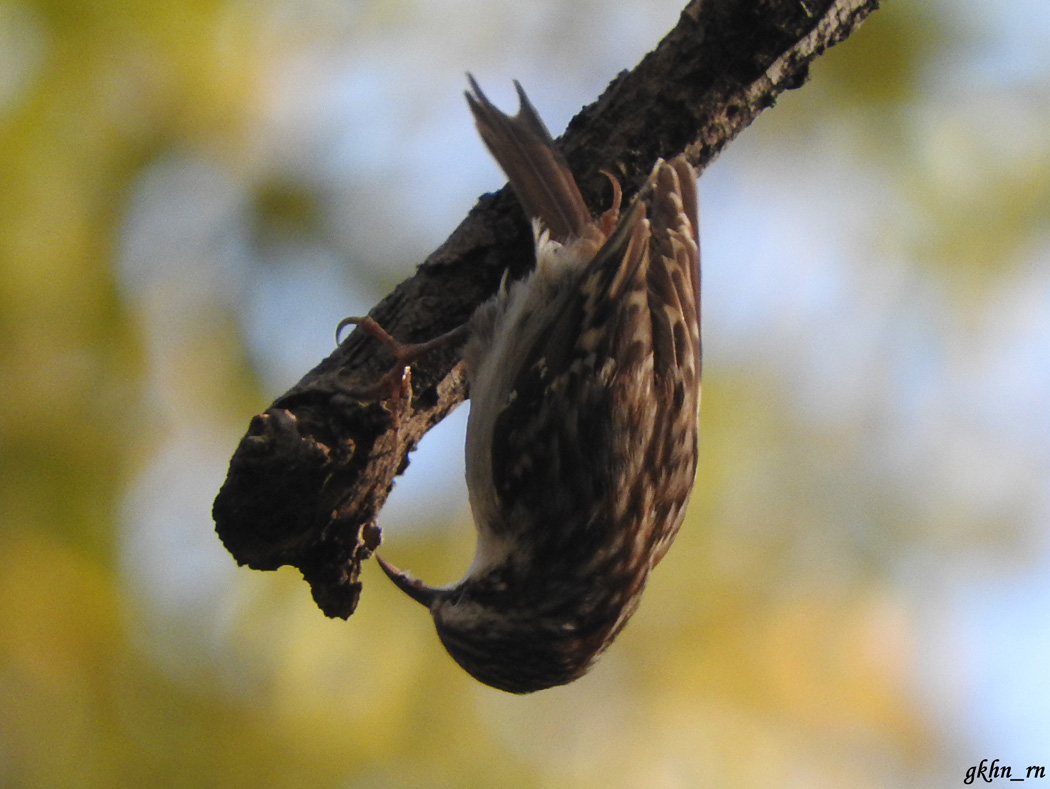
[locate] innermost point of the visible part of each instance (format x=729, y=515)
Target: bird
x=584, y=379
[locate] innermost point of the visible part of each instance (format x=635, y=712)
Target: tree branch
x=308, y=479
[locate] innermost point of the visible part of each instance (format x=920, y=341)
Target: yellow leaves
x=61, y=647
x=58, y=613
x=842, y=666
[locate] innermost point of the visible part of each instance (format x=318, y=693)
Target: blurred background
x=193, y=194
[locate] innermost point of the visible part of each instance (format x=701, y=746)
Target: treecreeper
x=581, y=448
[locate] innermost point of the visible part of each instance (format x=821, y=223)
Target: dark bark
x=307, y=481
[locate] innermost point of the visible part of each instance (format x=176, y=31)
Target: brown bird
x=581, y=444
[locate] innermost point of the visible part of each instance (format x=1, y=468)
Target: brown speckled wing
x=598, y=438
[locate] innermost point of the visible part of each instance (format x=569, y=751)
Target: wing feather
x=587, y=430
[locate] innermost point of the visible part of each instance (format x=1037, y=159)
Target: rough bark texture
x=308, y=479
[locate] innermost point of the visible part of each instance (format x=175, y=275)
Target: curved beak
x=415, y=589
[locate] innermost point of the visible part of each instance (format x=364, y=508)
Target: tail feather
x=540, y=177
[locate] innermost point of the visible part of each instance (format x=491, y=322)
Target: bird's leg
x=395, y=386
